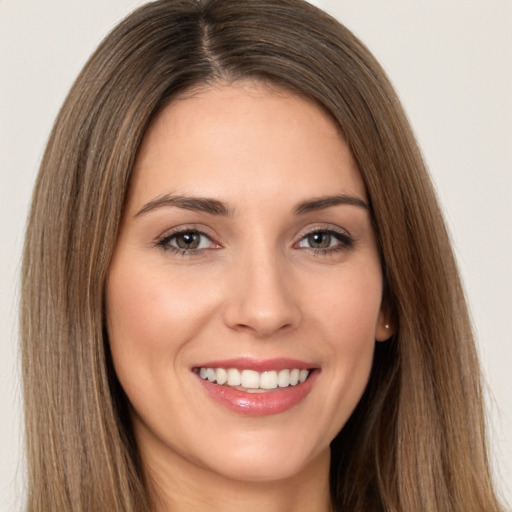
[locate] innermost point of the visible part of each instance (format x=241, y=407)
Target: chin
x=267, y=468
x=264, y=455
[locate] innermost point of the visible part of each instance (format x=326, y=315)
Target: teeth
x=234, y=378
x=268, y=380
x=250, y=379
x=283, y=378
x=221, y=376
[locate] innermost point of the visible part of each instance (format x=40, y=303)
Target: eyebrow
x=322, y=203
x=216, y=207
x=198, y=204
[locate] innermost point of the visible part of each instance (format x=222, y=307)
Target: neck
x=181, y=486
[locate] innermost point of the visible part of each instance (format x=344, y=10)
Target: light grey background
x=451, y=61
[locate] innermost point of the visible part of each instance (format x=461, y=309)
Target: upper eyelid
x=173, y=234
x=164, y=242
x=344, y=238
x=329, y=228
x=169, y=233
x=326, y=228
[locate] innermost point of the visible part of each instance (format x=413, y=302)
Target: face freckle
x=246, y=243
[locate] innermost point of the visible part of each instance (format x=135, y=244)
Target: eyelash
x=346, y=242
x=165, y=242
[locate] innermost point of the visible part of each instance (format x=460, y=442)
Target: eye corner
x=193, y=242
x=330, y=240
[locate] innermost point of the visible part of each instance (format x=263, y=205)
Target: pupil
x=187, y=241
x=319, y=240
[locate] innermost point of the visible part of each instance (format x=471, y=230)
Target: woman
x=230, y=213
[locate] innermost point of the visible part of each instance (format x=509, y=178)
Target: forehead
x=241, y=139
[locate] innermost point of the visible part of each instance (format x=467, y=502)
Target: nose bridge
x=261, y=299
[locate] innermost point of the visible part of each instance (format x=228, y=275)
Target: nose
x=261, y=298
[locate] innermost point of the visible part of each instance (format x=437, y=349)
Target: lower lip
x=259, y=404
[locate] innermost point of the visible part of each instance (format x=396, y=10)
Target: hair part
x=416, y=441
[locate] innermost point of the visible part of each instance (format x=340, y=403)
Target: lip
x=270, y=402
x=258, y=365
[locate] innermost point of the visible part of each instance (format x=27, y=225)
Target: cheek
x=133, y=318
x=146, y=308
x=349, y=305
x=358, y=316
x=150, y=317
x=349, y=313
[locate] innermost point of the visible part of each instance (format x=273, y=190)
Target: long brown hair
x=416, y=441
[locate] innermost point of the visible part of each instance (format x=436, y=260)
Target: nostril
x=260, y=301
x=263, y=325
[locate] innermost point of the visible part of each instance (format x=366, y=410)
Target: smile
x=257, y=387
x=251, y=380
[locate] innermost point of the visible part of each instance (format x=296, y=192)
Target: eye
x=325, y=240
x=185, y=241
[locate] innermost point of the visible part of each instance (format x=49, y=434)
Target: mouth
x=252, y=381
x=257, y=388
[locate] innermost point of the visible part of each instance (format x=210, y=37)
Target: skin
x=257, y=287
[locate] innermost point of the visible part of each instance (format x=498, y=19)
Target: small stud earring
x=387, y=326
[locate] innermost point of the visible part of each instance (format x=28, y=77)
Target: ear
x=385, y=327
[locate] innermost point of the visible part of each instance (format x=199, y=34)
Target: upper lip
x=259, y=365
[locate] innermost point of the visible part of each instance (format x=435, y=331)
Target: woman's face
x=246, y=262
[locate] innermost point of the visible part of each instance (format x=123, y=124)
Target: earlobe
x=385, y=328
